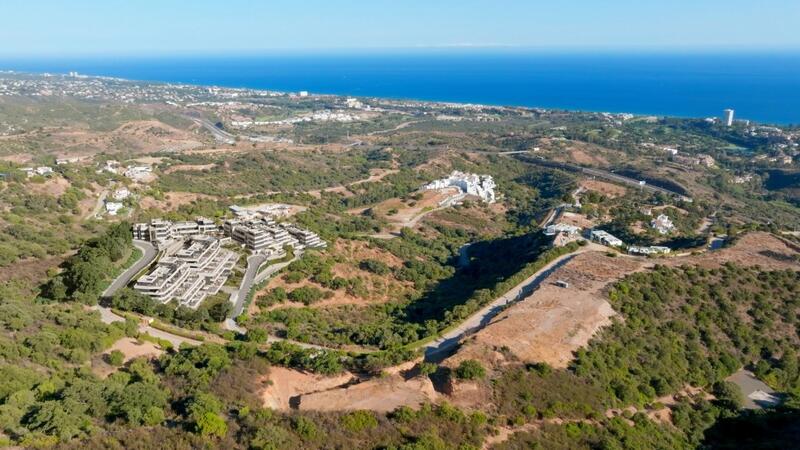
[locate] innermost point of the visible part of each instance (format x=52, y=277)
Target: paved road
x=253, y=263
x=218, y=133
x=438, y=349
x=596, y=173
x=108, y=316
x=148, y=255
x=252, y=277
x=397, y=128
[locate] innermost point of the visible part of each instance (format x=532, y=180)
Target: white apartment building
x=264, y=234
x=605, y=238
x=651, y=250
x=727, y=117
x=112, y=208
x=469, y=183
x=552, y=230
x=196, y=269
x=121, y=194
x=160, y=231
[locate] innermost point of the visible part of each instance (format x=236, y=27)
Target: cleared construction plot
x=553, y=322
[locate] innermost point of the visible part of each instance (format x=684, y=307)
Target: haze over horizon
x=48, y=28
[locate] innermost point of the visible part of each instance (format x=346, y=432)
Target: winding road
x=148, y=255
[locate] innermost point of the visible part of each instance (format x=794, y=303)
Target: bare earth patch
x=283, y=385
x=383, y=394
x=608, y=189
x=402, y=214
x=578, y=220
x=131, y=348
x=54, y=186
x=553, y=322
x=380, y=288
x=752, y=249
x=172, y=200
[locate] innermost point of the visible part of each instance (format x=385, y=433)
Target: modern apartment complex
x=193, y=271
x=159, y=231
x=264, y=235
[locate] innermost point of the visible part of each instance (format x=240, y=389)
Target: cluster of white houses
x=195, y=265
x=481, y=186
x=564, y=233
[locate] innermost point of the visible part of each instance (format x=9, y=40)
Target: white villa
x=662, y=224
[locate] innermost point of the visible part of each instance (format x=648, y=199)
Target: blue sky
x=74, y=27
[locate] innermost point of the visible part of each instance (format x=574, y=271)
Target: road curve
x=253, y=263
x=148, y=255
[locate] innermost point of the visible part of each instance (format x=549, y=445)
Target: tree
x=211, y=424
x=220, y=310
x=728, y=395
x=257, y=335
x=131, y=300
x=116, y=358
x=470, y=369
x=65, y=419
x=137, y=401
x=204, y=411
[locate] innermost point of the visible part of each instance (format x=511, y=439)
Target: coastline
x=763, y=88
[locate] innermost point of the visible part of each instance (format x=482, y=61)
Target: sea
x=763, y=87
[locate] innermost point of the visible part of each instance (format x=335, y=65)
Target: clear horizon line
x=455, y=47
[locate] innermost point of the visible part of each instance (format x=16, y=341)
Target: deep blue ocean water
x=763, y=87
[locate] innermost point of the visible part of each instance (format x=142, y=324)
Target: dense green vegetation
x=695, y=326
x=91, y=269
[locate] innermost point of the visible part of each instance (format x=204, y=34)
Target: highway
x=148, y=255
x=219, y=134
x=596, y=173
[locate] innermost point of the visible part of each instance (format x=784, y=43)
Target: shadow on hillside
x=767, y=429
x=490, y=262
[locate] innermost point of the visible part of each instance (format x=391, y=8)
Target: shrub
x=358, y=421
x=470, y=369
x=116, y=358
x=375, y=266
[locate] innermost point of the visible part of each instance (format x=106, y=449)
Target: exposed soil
x=578, y=220
x=131, y=348
x=380, y=288
x=548, y=326
x=752, y=249
x=383, y=394
x=54, y=185
x=283, y=385
x=188, y=168
x=553, y=322
x=172, y=200
x=608, y=189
